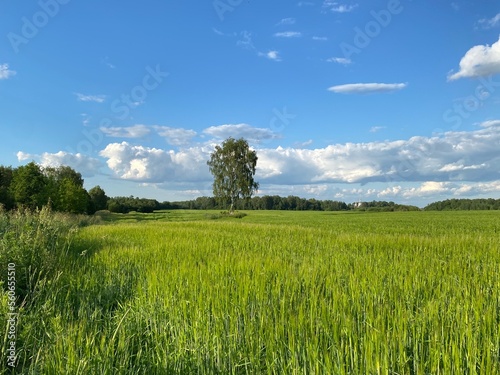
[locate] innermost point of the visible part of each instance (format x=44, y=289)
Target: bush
x=239, y=215
x=235, y=215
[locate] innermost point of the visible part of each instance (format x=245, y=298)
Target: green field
x=193, y=292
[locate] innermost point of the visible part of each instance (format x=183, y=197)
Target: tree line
x=34, y=186
x=464, y=204
x=290, y=203
x=295, y=203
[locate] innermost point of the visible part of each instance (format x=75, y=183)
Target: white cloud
x=271, y=55
x=340, y=60
x=479, y=61
x=221, y=33
x=337, y=7
x=454, y=156
x=21, y=156
x=136, y=131
x=90, y=98
x=303, y=144
x=176, y=136
x=390, y=191
x=426, y=191
x=286, y=21
x=459, y=166
x=480, y=188
x=488, y=23
x=146, y=164
x=5, y=72
x=246, y=42
x=316, y=189
x=376, y=129
x=250, y=133
x=218, y=32
x=320, y=38
x=446, y=189
x=487, y=124
x=288, y=34
x=433, y=187
x=83, y=164
x=343, y=8
x=367, y=88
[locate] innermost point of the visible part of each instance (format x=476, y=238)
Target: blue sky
x=345, y=100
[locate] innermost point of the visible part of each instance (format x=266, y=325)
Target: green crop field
x=194, y=292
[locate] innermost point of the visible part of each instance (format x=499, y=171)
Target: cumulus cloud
x=176, y=136
x=5, y=72
x=147, y=164
x=479, y=61
x=453, y=156
x=288, y=34
x=250, y=133
x=83, y=164
x=367, y=88
x=90, y=98
x=136, y=131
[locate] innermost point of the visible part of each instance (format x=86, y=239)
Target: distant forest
x=464, y=204
x=294, y=203
x=266, y=202
x=62, y=188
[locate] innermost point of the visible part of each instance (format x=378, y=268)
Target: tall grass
x=37, y=247
x=393, y=293
x=34, y=242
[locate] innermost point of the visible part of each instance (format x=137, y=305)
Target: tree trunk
x=231, y=208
